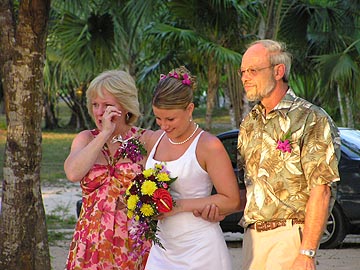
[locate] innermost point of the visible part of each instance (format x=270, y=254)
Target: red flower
x=163, y=200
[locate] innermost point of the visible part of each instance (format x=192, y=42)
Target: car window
x=230, y=145
x=350, y=142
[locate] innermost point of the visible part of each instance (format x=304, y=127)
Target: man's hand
x=303, y=263
x=209, y=213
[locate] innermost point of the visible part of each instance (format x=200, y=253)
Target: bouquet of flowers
x=147, y=197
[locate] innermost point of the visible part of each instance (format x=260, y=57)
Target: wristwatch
x=308, y=252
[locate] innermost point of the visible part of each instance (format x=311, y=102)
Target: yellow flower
x=132, y=201
x=147, y=210
x=158, y=166
x=148, y=188
x=128, y=190
x=163, y=176
x=137, y=217
x=148, y=172
x=130, y=214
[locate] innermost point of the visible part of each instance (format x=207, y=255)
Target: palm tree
x=85, y=39
x=319, y=33
x=341, y=72
x=88, y=38
x=205, y=35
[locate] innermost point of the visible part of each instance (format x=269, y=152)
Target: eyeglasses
x=251, y=71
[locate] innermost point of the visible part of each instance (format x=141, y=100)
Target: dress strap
x=152, y=152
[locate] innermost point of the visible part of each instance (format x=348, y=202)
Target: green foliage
x=59, y=218
x=2, y=123
x=54, y=236
x=60, y=223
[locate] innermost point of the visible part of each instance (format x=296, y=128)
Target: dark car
x=345, y=215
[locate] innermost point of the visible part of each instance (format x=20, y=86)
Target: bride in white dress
x=198, y=160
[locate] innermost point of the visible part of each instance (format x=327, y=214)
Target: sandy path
x=345, y=258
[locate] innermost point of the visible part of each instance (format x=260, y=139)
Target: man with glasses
x=290, y=150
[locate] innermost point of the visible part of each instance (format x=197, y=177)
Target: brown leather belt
x=262, y=226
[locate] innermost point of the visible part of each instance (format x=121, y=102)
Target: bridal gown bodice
x=190, y=242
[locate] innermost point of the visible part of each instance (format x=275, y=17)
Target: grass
x=55, y=148
x=60, y=224
x=60, y=218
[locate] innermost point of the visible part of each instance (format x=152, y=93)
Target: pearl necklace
x=188, y=138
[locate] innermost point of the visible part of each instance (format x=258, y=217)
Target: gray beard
x=266, y=92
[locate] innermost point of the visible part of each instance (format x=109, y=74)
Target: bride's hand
x=176, y=209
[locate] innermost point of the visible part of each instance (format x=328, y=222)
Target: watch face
x=308, y=252
x=311, y=253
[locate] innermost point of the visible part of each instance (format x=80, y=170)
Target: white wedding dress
x=191, y=243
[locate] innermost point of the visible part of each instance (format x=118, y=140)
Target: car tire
x=336, y=229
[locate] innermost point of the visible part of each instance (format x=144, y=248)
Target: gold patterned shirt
x=285, y=154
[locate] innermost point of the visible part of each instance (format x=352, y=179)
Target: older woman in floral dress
x=105, y=160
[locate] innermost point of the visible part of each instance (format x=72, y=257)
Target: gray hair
x=278, y=54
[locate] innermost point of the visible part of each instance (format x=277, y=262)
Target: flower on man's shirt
x=284, y=144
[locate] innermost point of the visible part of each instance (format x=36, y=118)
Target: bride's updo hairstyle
x=175, y=90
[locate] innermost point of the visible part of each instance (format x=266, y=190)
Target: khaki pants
x=271, y=250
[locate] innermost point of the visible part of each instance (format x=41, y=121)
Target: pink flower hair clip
x=175, y=75
x=186, y=79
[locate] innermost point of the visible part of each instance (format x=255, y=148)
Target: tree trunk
x=236, y=93
x=269, y=26
x=349, y=114
x=213, y=84
x=51, y=122
x=342, y=114
x=23, y=231
x=76, y=101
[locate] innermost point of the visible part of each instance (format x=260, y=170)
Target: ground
x=63, y=198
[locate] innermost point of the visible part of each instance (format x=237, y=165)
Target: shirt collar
x=282, y=108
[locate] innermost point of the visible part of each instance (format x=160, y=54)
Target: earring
x=190, y=120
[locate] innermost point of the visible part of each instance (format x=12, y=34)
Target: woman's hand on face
x=110, y=116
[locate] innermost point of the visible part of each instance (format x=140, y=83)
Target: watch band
x=308, y=252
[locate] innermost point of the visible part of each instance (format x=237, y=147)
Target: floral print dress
x=101, y=239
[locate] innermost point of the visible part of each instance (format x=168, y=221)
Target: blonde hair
x=172, y=93
x=122, y=86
